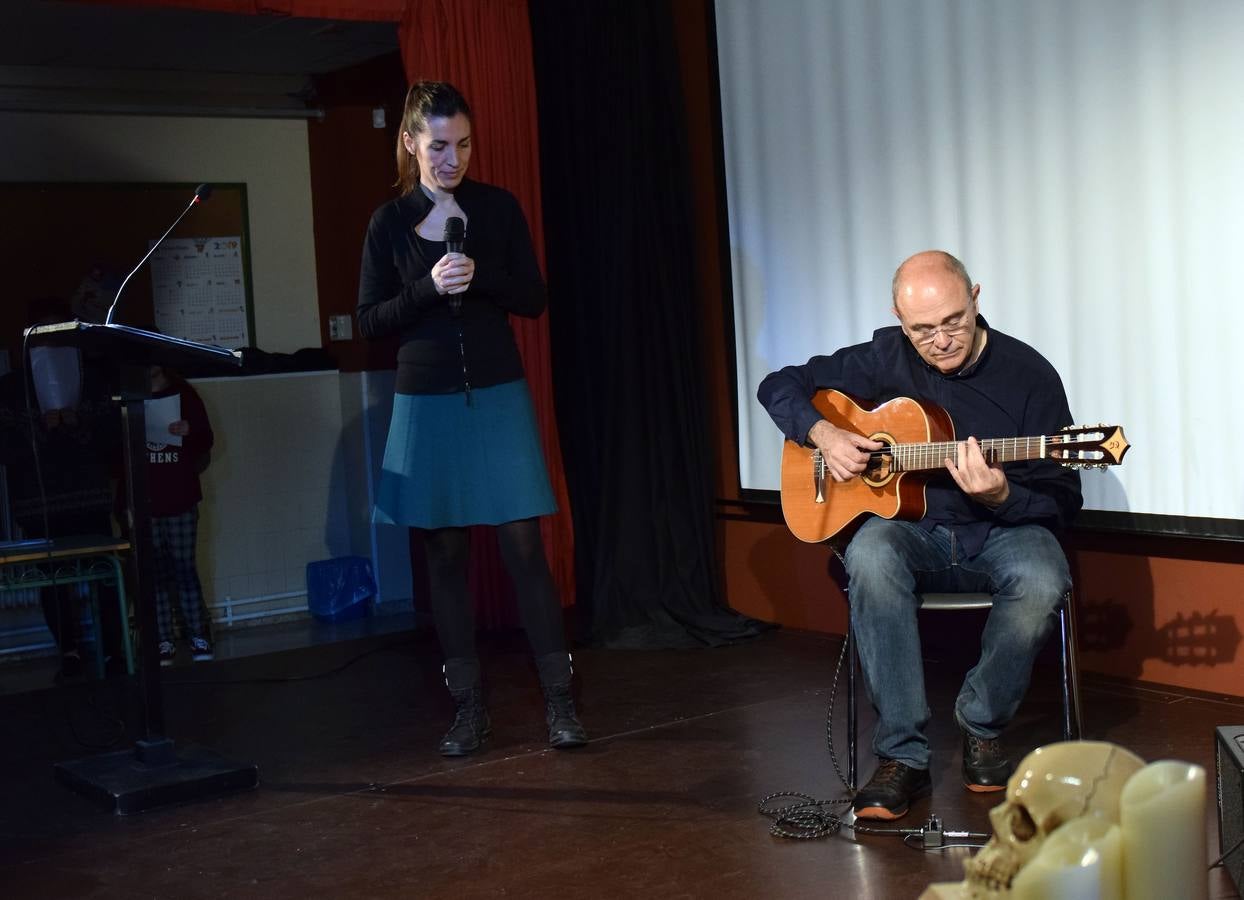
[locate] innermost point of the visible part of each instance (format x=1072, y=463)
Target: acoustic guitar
x=918, y=438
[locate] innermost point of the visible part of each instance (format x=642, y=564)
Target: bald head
x=928, y=262
x=935, y=302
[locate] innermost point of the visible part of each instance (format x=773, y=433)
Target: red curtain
x=483, y=47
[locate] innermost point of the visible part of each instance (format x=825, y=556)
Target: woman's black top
x=443, y=350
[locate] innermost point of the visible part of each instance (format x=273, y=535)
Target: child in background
x=173, y=487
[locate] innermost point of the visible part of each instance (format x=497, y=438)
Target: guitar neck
x=920, y=457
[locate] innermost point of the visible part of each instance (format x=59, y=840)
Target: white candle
x=1162, y=814
x=1081, y=860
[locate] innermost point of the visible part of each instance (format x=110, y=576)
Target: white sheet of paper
x=160, y=413
x=58, y=377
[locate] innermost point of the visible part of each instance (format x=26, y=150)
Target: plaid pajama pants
x=173, y=540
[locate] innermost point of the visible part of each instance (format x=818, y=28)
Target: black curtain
x=623, y=325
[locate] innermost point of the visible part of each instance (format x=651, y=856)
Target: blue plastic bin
x=340, y=589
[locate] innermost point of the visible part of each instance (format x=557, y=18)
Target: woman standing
x=463, y=447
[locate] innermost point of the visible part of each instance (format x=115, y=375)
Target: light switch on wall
x=339, y=328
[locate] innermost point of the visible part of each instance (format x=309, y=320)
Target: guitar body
x=817, y=508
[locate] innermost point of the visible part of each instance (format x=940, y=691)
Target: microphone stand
x=201, y=193
x=154, y=772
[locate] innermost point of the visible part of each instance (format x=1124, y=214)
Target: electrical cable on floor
x=808, y=819
x=116, y=733
x=282, y=679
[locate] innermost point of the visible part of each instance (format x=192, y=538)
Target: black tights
x=523, y=554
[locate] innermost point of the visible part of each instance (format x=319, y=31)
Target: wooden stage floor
x=354, y=801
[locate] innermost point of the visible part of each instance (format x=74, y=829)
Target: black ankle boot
x=471, y=726
x=565, y=729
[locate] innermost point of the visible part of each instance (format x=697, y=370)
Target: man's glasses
x=926, y=334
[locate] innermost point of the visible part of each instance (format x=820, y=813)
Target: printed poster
x=199, y=292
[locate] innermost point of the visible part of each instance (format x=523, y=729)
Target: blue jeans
x=890, y=563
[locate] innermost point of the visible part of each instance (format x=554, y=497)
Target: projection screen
x=1084, y=159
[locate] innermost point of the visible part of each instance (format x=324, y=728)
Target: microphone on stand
x=201, y=193
x=455, y=234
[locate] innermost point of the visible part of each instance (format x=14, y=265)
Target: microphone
x=201, y=193
x=455, y=234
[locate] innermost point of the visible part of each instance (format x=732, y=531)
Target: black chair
x=1070, y=680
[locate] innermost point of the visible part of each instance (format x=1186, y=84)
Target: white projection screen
x=1084, y=159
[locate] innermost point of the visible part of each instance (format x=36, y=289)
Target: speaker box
x=1229, y=763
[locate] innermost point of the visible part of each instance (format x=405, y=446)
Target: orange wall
x=1159, y=610
x=772, y=576
x=1167, y=613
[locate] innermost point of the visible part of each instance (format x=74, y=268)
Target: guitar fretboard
x=917, y=457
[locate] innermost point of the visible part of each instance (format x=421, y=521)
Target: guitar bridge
x=818, y=475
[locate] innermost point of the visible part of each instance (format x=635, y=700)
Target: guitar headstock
x=1089, y=446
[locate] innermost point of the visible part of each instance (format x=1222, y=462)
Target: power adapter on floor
x=933, y=835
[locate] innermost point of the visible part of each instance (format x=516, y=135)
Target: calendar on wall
x=198, y=290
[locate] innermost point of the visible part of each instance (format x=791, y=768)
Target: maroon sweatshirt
x=172, y=471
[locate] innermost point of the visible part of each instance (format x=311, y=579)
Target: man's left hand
x=180, y=427
x=984, y=482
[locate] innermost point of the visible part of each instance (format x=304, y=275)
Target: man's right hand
x=845, y=452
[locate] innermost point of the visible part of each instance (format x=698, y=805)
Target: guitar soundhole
x=881, y=463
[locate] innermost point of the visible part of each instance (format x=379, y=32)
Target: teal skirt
x=449, y=464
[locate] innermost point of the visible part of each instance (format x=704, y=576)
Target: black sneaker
x=890, y=791
x=167, y=653
x=201, y=649
x=985, y=766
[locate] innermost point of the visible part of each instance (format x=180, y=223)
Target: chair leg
x=852, y=667
x=1073, y=725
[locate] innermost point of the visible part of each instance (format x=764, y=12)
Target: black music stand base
x=152, y=774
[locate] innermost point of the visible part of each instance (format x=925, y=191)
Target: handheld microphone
x=201, y=193
x=455, y=234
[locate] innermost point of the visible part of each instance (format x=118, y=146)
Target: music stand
x=152, y=773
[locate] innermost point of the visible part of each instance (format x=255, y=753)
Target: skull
x=1054, y=784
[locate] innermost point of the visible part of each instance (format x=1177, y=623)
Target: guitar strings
x=1012, y=449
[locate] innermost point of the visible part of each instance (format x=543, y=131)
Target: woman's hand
x=452, y=273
